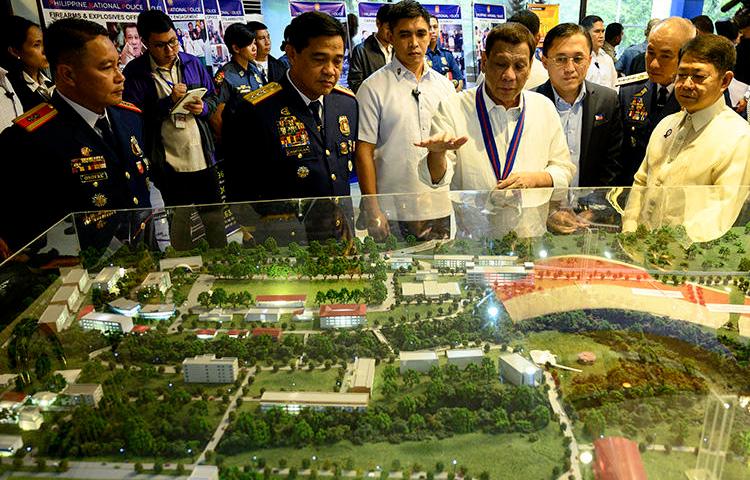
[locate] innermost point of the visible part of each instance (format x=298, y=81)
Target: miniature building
x=302, y=315
x=206, y=333
x=68, y=296
x=10, y=444
x=140, y=329
x=617, y=458
x=518, y=371
x=12, y=400
x=123, y=306
x=364, y=375
x=7, y=378
x=274, y=333
x=79, y=278
x=419, y=361
x=209, y=369
x=82, y=394
x=43, y=400
x=56, y=316
x=158, y=280
x=189, y=263
x=293, y=402
x=215, y=315
x=430, y=289
x=423, y=275
x=463, y=357
x=107, y=322
x=489, y=276
x=399, y=262
x=453, y=261
x=161, y=311
x=237, y=333
x=280, y=301
x=108, y=278
x=263, y=315
x=70, y=376
x=342, y=315
x=495, y=260
x=30, y=418
x=587, y=358
x=204, y=472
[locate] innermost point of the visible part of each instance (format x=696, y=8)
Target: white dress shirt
x=571, y=118
x=386, y=49
x=308, y=101
x=711, y=148
x=602, y=69
x=542, y=149
x=10, y=105
x=393, y=117
x=42, y=88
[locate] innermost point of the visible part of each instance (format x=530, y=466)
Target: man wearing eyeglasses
x=706, y=143
x=180, y=145
x=589, y=113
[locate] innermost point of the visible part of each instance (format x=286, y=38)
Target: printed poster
x=486, y=17
x=451, y=34
x=549, y=17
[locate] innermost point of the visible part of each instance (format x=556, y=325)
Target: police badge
x=344, y=125
x=135, y=147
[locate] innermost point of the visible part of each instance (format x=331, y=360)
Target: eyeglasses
x=172, y=44
x=697, y=78
x=562, y=60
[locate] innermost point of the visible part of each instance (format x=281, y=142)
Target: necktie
x=106, y=132
x=263, y=76
x=315, y=108
x=661, y=98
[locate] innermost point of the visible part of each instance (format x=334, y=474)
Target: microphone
x=415, y=93
x=730, y=5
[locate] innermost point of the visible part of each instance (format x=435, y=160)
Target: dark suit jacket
x=276, y=69
x=601, y=135
x=366, y=59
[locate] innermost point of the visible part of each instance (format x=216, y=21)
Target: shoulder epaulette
x=129, y=106
x=36, y=117
x=344, y=90
x=257, y=96
x=638, y=77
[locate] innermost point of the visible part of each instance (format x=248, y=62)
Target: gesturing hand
x=442, y=142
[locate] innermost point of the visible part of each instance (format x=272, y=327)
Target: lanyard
x=489, y=137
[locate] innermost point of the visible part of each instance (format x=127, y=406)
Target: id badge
x=180, y=120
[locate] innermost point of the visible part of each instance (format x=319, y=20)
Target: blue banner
x=489, y=12
x=231, y=8
x=369, y=9
x=185, y=7
x=444, y=12
x=134, y=6
x=335, y=9
x=210, y=7
x=157, y=5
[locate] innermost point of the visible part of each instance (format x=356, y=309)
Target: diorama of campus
x=552, y=357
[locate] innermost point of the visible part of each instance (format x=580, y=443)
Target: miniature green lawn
x=297, y=380
x=290, y=287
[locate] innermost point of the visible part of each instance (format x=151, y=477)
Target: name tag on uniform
x=92, y=177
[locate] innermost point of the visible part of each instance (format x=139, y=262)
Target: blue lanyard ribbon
x=501, y=172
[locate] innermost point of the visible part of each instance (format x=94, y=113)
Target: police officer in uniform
x=240, y=75
x=295, y=138
x=649, y=97
x=441, y=59
x=82, y=151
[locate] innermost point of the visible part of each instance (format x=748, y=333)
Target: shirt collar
x=436, y=50
x=382, y=45
x=491, y=103
x=155, y=67
x=563, y=105
x=33, y=84
x=302, y=95
x=401, y=71
x=701, y=118
x=88, y=116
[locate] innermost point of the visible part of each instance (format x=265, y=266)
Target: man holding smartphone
x=180, y=144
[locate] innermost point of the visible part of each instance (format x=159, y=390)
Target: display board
x=217, y=54
x=485, y=18
x=451, y=29
x=230, y=11
x=118, y=16
x=549, y=16
x=367, y=26
x=190, y=25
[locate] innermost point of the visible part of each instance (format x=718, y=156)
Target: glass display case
x=583, y=333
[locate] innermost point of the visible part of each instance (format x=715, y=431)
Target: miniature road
x=554, y=401
x=202, y=284
x=224, y=422
x=101, y=471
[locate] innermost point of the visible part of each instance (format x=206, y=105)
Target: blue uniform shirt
x=443, y=61
x=233, y=82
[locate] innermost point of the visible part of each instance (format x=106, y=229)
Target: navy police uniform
x=275, y=150
x=234, y=82
x=65, y=166
x=640, y=116
x=443, y=61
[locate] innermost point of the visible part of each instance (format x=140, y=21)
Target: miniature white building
x=430, y=289
x=30, y=418
x=342, y=315
x=489, y=276
x=43, y=400
x=56, y=316
x=431, y=274
x=107, y=279
x=302, y=315
x=280, y=301
x=518, y=371
x=419, y=361
x=68, y=296
x=123, y=306
x=10, y=444
x=209, y=369
x=158, y=280
x=263, y=315
x=70, y=376
x=294, y=402
x=107, y=322
x=82, y=394
x=364, y=376
x=399, y=262
x=215, y=315
x=463, y=357
x=78, y=277
x=453, y=261
x=206, y=333
x=12, y=400
x=161, y=311
x=495, y=260
x=189, y=263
